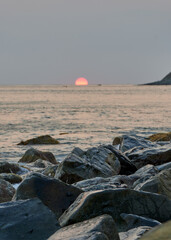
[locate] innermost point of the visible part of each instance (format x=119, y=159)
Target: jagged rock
x=78, y=151
x=160, y=137
x=29, y=219
x=143, y=174
x=164, y=166
x=165, y=81
x=99, y=183
x=161, y=183
x=45, y=139
x=104, y=161
x=6, y=167
x=115, y=202
x=55, y=194
x=99, y=228
x=131, y=142
x=134, y=221
x=31, y=155
x=154, y=156
x=11, y=177
x=7, y=191
x=162, y=232
x=134, y=233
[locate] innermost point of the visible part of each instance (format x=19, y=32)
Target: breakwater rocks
x=120, y=191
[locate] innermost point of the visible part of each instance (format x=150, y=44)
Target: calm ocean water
x=91, y=115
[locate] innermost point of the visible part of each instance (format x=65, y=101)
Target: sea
x=79, y=116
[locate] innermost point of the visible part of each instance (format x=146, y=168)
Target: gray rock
x=50, y=171
x=99, y=183
x=99, y=228
x=135, y=142
x=6, y=167
x=161, y=183
x=115, y=202
x=7, y=191
x=29, y=219
x=134, y=233
x=39, y=163
x=134, y=221
x=11, y=177
x=154, y=156
x=164, y=166
x=31, y=155
x=54, y=193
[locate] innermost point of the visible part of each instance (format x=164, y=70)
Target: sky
x=106, y=42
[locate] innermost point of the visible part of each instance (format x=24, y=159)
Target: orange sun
x=81, y=82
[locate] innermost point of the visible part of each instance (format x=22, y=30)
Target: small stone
x=45, y=139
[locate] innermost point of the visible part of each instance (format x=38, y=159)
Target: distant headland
x=165, y=81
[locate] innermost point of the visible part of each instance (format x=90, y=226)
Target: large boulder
x=134, y=233
x=154, y=156
x=31, y=155
x=6, y=167
x=157, y=137
x=29, y=219
x=104, y=161
x=45, y=139
x=161, y=183
x=11, y=177
x=115, y=202
x=54, y=193
x=99, y=228
x=7, y=191
x=162, y=232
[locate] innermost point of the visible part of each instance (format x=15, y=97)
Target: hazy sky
x=108, y=42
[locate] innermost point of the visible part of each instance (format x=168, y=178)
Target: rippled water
x=91, y=115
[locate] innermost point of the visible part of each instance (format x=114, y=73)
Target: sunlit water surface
x=91, y=115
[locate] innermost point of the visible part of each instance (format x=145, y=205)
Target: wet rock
x=50, y=171
x=31, y=155
x=29, y=219
x=45, y=139
x=55, y=194
x=160, y=137
x=134, y=233
x=115, y=202
x=6, y=167
x=161, y=183
x=134, y=221
x=154, y=156
x=11, y=177
x=78, y=151
x=7, y=191
x=130, y=142
x=74, y=168
x=162, y=232
x=99, y=183
x=99, y=228
x=164, y=166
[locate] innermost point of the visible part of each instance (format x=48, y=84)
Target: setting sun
x=81, y=82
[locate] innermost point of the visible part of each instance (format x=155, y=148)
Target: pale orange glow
x=81, y=82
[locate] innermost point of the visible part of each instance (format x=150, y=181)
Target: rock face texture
x=104, y=161
x=28, y=219
x=6, y=167
x=45, y=139
x=154, y=156
x=99, y=228
x=55, y=194
x=115, y=202
x=7, y=191
x=165, y=81
x=11, y=177
x=31, y=155
x=160, y=137
x=162, y=232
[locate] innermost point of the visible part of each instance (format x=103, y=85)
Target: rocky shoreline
x=116, y=191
